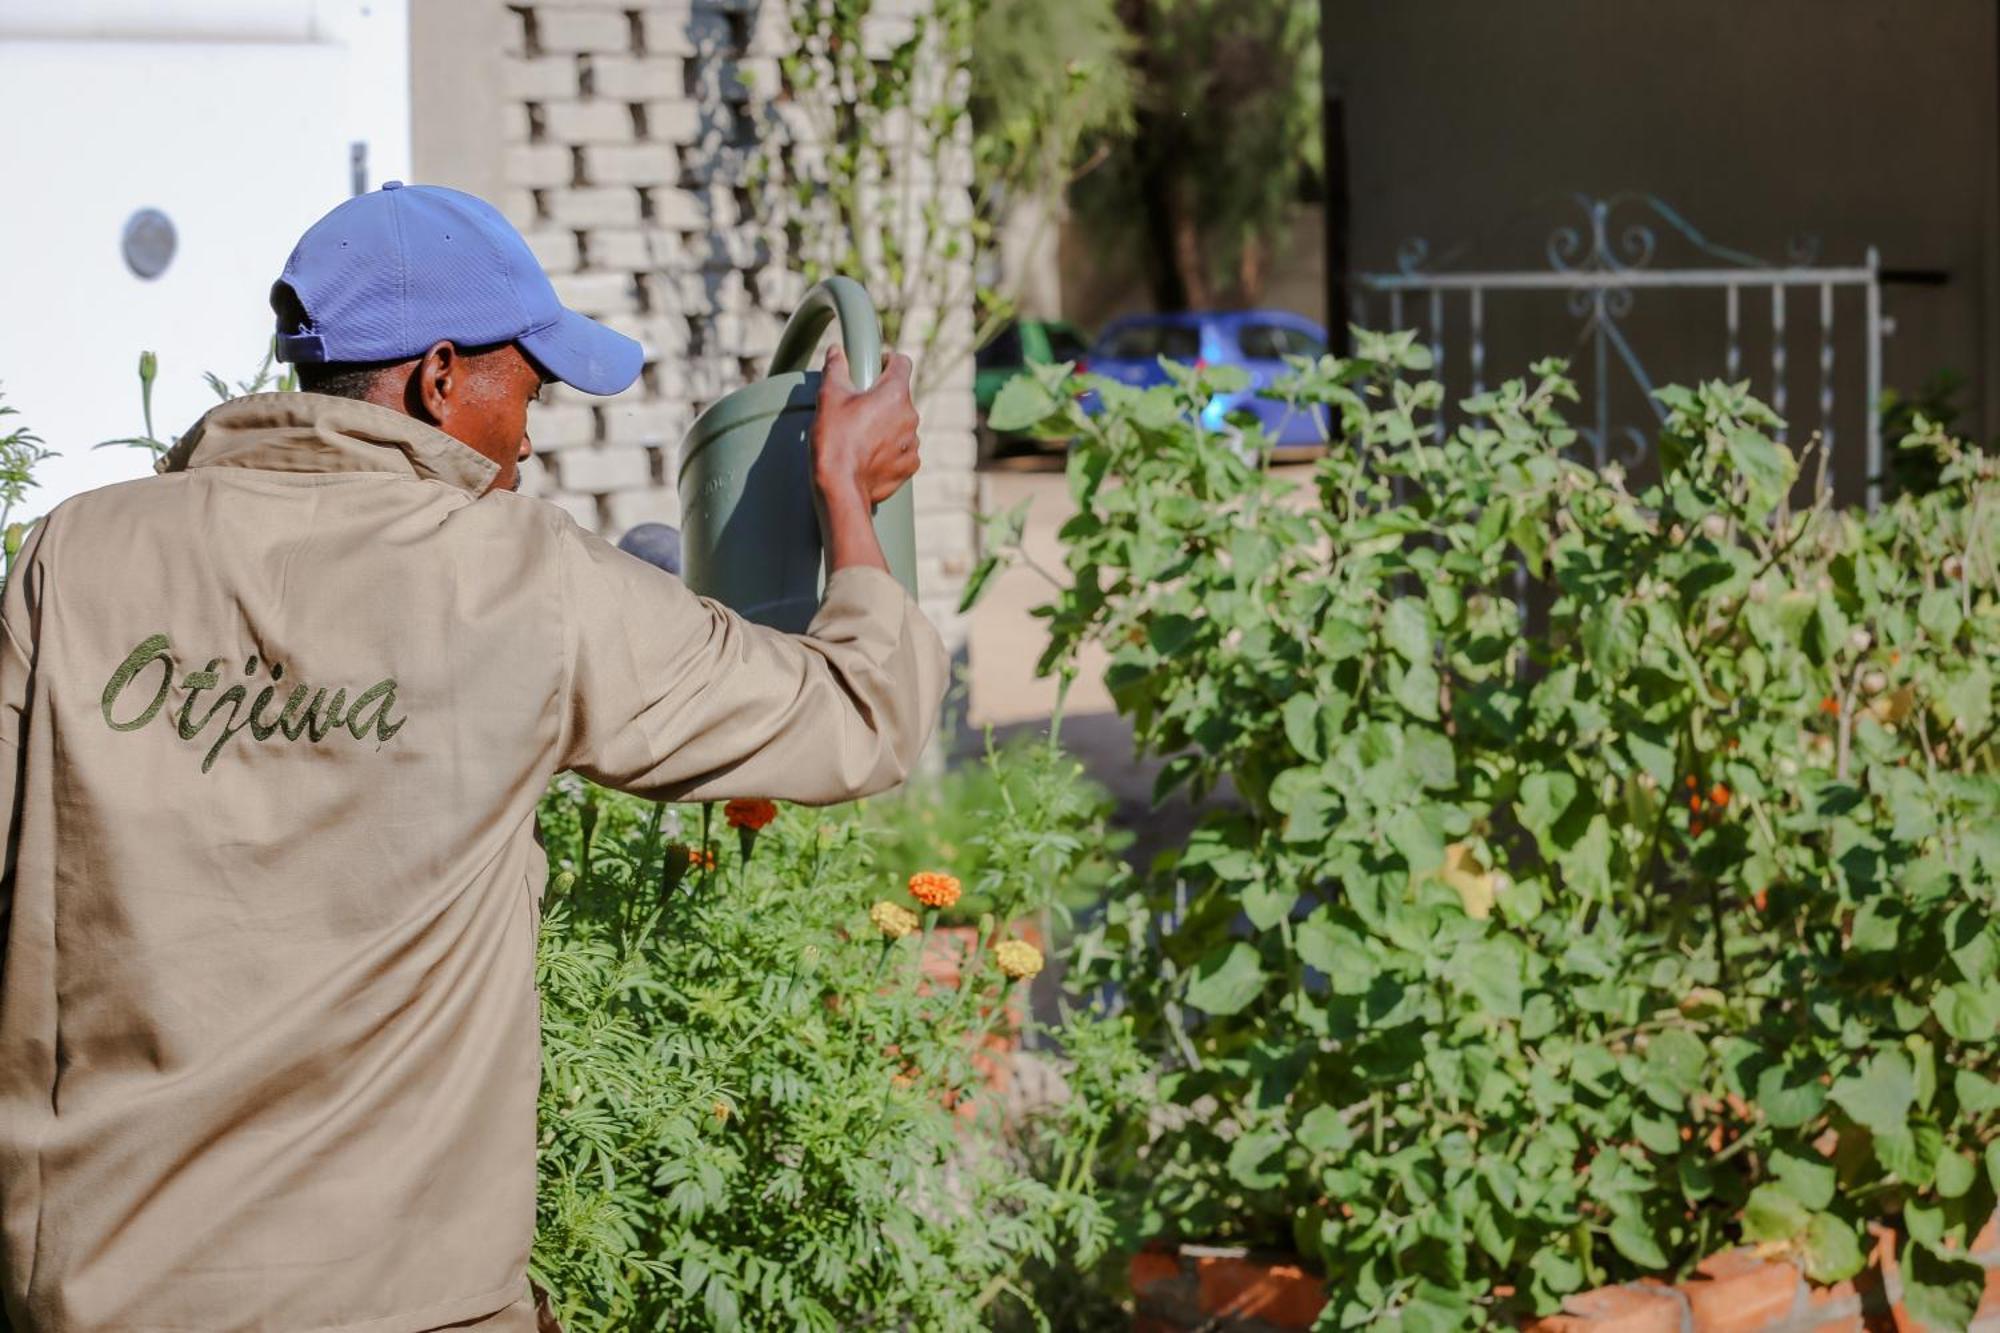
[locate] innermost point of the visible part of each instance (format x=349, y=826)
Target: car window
x=1180, y=343
x=1301, y=343
x=1065, y=345
x=1270, y=342
x=1263, y=342
x=1003, y=352
x=1140, y=342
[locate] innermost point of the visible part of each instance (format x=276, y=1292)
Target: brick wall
x=629, y=130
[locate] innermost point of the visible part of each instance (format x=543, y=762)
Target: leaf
x=1324, y=1131
x=1805, y=1176
x=1940, y=1291
x=1022, y=404
x=1474, y=884
x=1417, y=831
x=1417, y=691
x=1789, y=1096
x=1266, y=904
x=1546, y=796
x=1911, y=1153
x=1773, y=1214
x=1968, y=1013
x=1227, y=979
x=1636, y=1239
x=1764, y=463
x=1301, y=718
x=1833, y=1250
x=1880, y=1095
x=1955, y=1174
x=1407, y=629
x=1492, y=971
x=1976, y=1095
x=1250, y=1158
x=1587, y=865
x=1675, y=1060
x=1336, y=951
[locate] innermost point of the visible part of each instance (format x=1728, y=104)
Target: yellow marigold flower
x=892, y=920
x=933, y=889
x=752, y=814
x=1017, y=959
x=721, y=1113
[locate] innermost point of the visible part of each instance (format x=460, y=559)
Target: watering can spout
x=749, y=525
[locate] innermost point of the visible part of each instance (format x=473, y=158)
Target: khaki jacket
x=279, y=719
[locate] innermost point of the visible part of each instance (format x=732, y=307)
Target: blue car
x=1129, y=351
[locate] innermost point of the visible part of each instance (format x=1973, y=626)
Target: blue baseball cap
x=389, y=273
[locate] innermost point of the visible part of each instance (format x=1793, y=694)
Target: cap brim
x=586, y=355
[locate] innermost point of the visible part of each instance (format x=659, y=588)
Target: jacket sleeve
x=18, y=634
x=676, y=697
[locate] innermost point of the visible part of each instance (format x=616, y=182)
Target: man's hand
x=864, y=448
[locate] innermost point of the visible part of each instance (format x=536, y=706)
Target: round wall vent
x=149, y=242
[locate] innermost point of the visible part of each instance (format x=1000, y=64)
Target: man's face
x=482, y=401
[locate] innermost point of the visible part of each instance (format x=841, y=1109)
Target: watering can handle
x=860, y=332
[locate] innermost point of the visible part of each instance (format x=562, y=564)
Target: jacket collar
x=310, y=432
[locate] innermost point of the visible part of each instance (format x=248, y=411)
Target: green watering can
x=749, y=530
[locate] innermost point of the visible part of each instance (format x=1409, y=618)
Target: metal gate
x=1599, y=267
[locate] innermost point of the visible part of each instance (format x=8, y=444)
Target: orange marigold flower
x=1017, y=959
x=933, y=889
x=1719, y=794
x=1694, y=803
x=701, y=858
x=1692, y=782
x=1829, y=705
x=749, y=813
x=1694, y=829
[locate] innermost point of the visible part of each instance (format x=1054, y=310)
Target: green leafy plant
x=21, y=452
x=267, y=378
x=760, y=1111
x=1612, y=875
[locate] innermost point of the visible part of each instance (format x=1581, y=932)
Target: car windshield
x=1143, y=342
x=1065, y=344
x=1003, y=351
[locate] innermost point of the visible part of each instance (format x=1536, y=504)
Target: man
x=278, y=720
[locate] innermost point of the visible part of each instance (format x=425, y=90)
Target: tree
x=1227, y=114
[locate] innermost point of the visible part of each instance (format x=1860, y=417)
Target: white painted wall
x=234, y=118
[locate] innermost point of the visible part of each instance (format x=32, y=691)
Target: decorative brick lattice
x=632, y=133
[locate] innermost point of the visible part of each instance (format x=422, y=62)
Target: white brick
x=558, y=426
x=631, y=164
x=771, y=31
x=671, y=30
x=655, y=504
x=574, y=30
x=663, y=337
x=555, y=251
x=595, y=293
x=678, y=120
x=645, y=423
x=517, y=205
x=606, y=468
x=636, y=251
x=538, y=165
x=588, y=122
x=607, y=206
x=682, y=210
x=539, y=80
x=637, y=78
x=514, y=126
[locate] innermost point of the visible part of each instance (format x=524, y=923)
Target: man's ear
x=436, y=380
